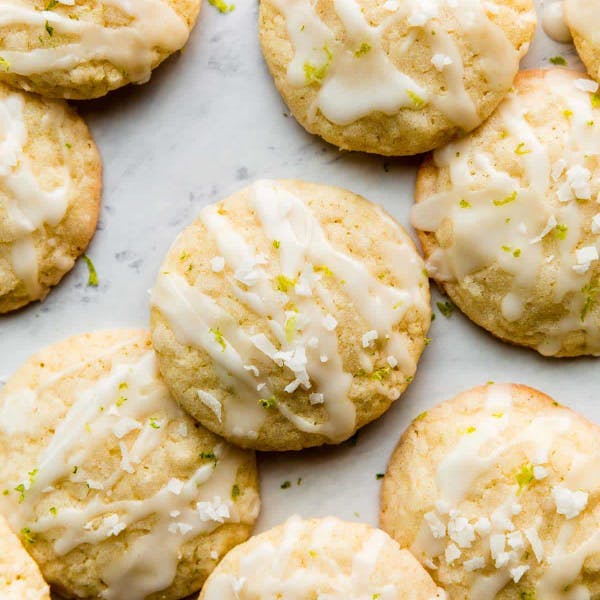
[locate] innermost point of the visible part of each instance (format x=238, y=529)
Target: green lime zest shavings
x=27, y=535
x=381, y=374
x=446, y=308
x=51, y=4
x=379, y=475
x=53, y=510
x=559, y=60
x=525, y=476
x=590, y=291
x=323, y=269
x=290, y=328
x=561, y=231
x=92, y=274
x=218, y=337
x=595, y=100
x=285, y=485
x=506, y=200
x=222, y=6
x=285, y=284
x=21, y=489
x=4, y=64
x=517, y=252
x=153, y=423
x=464, y=204
x=364, y=49
x=276, y=244
x=268, y=402
x=235, y=491
x=528, y=595
x=314, y=74
x=421, y=416
x=520, y=149
x=49, y=29
x=417, y=102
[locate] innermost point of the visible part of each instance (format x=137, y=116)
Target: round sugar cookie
x=20, y=577
x=497, y=493
x=289, y=315
x=85, y=49
x=50, y=185
x=509, y=217
x=393, y=77
x=583, y=20
x=320, y=558
x=113, y=489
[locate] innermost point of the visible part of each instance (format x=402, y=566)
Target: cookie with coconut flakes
x=289, y=315
x=497, y=493
x=20, y=577
x=85, y=49
x=509, y=219
x=101, y=468
x=583, y=19
x=50, y=185
x=324, y=558
x=397, y=77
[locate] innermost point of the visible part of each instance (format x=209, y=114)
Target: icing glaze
x=553, y=21
x=132, y=48
x=357, y=77
x=131, y=409
x=27, y=206
x=505, y=551
x=303, y=340
x=535, y=217
x=301, y=565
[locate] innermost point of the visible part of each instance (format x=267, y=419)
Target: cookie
x=289, y=315
x=509, y=216
x=50, y=185
x=85, y=49
x=20, y=577
x=583, y=18
x=393, y=77
x=497, y=493
x=324, y=558
x=113, y=489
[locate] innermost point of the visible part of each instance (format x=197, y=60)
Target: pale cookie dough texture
x=20, y=577
x=85, y=49
x=50, y=186
x=113, y=489
x=497, y=493
x=289, y=315
x=394, y=77
x=583, y=20
x=510, y=221
x=320, y=558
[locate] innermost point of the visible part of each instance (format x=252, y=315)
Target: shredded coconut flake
x=369, y=338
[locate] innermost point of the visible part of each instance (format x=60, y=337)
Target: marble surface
x=209, y=122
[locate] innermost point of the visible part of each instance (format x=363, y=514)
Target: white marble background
x=209, y=122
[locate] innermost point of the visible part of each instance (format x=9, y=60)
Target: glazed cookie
x=509, y=217
x=85, y=49
x=497, y=493
x=114, y=490
x=393, y=77
x=50, y=184
x=583, y=20
x=20, y=577
x=289, y=315
x=324, y=558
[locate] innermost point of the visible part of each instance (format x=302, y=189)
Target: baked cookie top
x=496, y=493
x=289, y=315
x=324, y=558
x=84, y=49
x=393, y=77
x=20, y=577
x=509, y=216
x=99, y=467
x=50, y=184
x=583, y=20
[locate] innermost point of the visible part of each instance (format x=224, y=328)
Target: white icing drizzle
x=275, y=570
x=357, y=76
x=553, y=21
x=311, y=352
x=131, y=407
x=26, y=204
x=132, y=48
x=478, y=453
x=534, y=223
